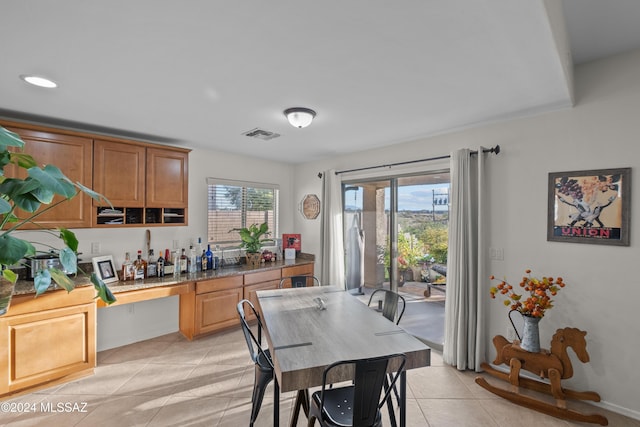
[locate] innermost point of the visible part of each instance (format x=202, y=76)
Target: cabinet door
x=167, y=178
x=250, y=294
x=46, y=346
x=73, y=156
x=119, y=172
x=217, y=310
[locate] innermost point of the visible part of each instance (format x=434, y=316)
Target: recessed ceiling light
x=39, y=81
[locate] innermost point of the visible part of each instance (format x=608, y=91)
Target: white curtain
x=332, y=231
x=465, y=337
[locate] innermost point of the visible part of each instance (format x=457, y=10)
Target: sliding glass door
x=396, y=236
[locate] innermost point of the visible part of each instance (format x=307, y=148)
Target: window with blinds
x=237, y=204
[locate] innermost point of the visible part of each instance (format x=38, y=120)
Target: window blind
x=237, y=204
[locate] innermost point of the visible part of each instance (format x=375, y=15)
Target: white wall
x=603, y=289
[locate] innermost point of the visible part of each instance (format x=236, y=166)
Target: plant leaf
x=12, y=249
x=54, y=180
x=42, y=281
x=10, y=275
x=23, y=160
x=62, y=279
x=69, y=260
x=69, y=238
x=93, y=194
x=104, y=293
x=4, y=206
x=9, y=139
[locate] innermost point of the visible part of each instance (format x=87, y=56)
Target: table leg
x=276, y=402
x=302, y=401
x=403, y=398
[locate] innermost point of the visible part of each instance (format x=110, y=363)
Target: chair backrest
x=369, y=377
x=254, y=341
x=299, y=281
x=392, y=300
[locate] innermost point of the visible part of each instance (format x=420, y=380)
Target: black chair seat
x=358, y=404
x=338, y=407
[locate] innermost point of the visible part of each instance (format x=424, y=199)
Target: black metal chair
x=260, y=356
x=390, y=304
x=359, y=403
x=299, y=281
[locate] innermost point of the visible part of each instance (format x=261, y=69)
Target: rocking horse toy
x=554, y=365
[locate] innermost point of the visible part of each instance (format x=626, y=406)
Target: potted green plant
x=252, y=241
x=29, y=194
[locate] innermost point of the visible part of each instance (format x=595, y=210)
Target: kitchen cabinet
x=215, y=304
x=254, y=282
x=119, y=172
x=297, y=270
x=72, y=154
x=49, y=340
x=146, y=185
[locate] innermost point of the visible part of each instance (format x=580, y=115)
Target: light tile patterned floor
x=169, y=381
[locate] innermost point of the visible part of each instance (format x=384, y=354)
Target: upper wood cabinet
x=119, y=172
x=72, y=154
x=167, y=178
x=146, y=184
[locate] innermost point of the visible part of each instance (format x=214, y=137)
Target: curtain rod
x=495, y=150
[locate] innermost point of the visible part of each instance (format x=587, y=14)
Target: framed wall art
x=105, y=269
x=590, y=206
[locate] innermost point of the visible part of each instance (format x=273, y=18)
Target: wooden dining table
x=305, y=338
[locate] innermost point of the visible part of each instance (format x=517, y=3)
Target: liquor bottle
x=152, y=265
x=209, y=256
x=183, y=262
x=168, y=265
x=176, y=263
x=203, y=258
x=139, y=267
x=127, y=267
x=160, y=265
x=192, y=265
x=199, y=252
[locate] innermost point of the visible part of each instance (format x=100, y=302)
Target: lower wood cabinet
x=44, y=344
x=257, y=282
x=217, y=310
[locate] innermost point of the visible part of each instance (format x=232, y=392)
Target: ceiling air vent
x=265, y=135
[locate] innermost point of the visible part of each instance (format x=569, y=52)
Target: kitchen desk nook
x=51, y=339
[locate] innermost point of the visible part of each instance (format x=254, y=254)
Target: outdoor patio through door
x=396, y=237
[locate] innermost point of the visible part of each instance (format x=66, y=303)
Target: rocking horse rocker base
x=554, y=365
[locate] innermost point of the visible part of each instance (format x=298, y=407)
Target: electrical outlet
x=130, y=309
x=95, y=247
x=176, y=244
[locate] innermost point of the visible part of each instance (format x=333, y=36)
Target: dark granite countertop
x=25, y=287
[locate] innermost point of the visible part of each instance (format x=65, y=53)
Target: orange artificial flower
x=539, y=290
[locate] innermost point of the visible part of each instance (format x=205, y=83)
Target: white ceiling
x=200, y=73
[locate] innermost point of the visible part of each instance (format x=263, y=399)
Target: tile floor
x=169, y=381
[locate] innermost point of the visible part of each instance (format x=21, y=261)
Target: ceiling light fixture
x=299, y=117
x=39, y=81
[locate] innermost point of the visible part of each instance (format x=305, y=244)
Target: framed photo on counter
x=105, y=269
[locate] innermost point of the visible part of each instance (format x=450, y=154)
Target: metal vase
x=531, y=334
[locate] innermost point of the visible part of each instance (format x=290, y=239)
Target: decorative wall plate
x=310, y=206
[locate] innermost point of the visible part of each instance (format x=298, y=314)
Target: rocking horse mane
x=569, y=337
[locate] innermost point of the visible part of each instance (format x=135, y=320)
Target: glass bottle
x=139, y=267
x=152, y=265
x=183, y=262
x=209, y=256
x=204, y=260
x=192, y=265
x=127, y=267
x=160, y=266
x=199, y=252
